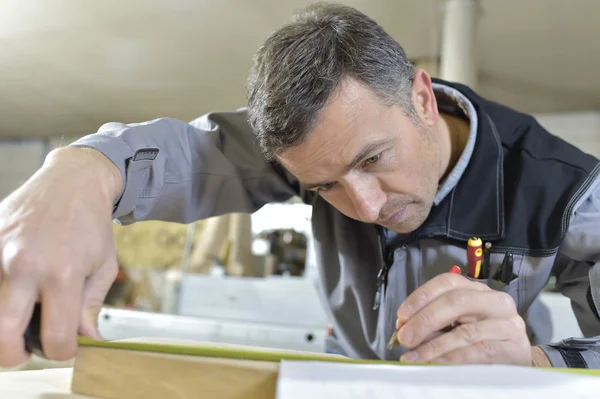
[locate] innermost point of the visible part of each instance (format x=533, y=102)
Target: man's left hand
x=451, y=319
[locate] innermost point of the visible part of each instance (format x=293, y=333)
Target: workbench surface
x=38, y=384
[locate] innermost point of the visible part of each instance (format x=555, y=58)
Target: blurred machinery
x=286, y=252
x=276, y=312
x=192, y=282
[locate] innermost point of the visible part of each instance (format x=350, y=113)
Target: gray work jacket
x=182, y=172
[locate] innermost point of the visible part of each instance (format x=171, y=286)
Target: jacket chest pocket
x=523, y=283
x=528, y=278
x=508, y=281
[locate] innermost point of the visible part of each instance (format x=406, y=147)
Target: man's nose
x=368, y=199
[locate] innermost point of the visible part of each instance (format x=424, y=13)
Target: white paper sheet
x=324, y=380
x=37, y=384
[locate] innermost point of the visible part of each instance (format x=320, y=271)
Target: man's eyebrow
x=368, y=150
x=365, y=152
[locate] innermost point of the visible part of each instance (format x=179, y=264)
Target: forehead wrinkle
x=337, y=140
x=326, y=153
x=323, y=151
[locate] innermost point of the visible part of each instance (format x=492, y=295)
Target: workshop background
x=67, y=67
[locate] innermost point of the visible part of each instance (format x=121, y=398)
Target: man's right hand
x=57, y=247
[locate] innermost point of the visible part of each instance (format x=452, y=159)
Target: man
x=400, y=170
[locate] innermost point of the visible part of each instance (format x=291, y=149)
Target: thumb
x=95, y=291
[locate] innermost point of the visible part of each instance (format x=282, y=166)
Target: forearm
x=182, y=172
x=577, y=271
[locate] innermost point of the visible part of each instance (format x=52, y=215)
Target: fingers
x=434, y=335
x=467, y=335
x=95, y=291
x=61, y=302
x=434, y=288
x=455, y=305
x=489, y=352
x=17, y=299
x=65, y=310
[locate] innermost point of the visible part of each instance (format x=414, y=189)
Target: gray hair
x=302, y=63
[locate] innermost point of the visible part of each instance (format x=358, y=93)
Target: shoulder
x=582, y=236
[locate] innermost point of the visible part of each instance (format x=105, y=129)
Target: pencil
x=393, y=342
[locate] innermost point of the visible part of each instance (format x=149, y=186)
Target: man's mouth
x=396, y=217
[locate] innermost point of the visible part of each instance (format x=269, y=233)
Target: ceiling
x=68, y=66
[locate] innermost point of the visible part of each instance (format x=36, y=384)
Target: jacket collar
x=475, y=207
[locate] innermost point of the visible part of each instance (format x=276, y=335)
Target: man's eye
x=372, y=160
x=326, y=187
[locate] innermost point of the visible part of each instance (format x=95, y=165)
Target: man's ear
x=424, y=99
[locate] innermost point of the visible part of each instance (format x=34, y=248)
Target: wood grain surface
x=125, y=374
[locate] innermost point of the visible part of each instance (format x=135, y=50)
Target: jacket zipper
x=383, y=271
x=387, y=262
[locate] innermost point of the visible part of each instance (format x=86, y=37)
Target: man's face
x=371, y=161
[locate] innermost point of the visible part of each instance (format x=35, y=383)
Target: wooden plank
x=125, y=374
x=161, y=368
x=149, y=368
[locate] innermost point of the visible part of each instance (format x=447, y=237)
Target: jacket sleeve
x=577, y=271
x=181, y=172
